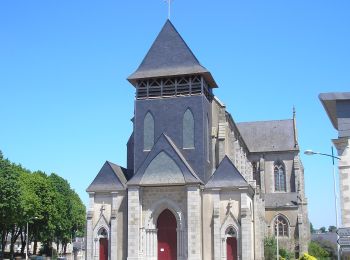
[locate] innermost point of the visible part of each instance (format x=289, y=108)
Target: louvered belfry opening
x=173, y=86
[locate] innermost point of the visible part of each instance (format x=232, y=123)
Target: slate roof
x=177, y=171
x=329, y=236
x=273, y=200
x=269, y=136
x=226, y=175
x=111, y=177
x=169, y=55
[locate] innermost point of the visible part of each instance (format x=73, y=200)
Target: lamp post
x=277, y=244
x=310, y=152
x=28, y=236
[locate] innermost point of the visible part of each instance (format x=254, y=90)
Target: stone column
x=181, y=241
x=216, y=224
x=89, y=228
x=343, y=147
x=114, y=228
x=151, y=244
x=194, y=223
x=133, y=223
x=246, y=229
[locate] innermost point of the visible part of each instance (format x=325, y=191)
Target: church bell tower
x=173, y=98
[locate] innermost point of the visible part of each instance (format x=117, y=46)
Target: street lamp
x=28, y=236
x=310, y=152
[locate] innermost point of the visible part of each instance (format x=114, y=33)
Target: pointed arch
x=148, y=131
x=188, y=129
x=281, y=223
x=101, y=238
x=151, y=219
x=230, y=234
x=279, y=176
x=207, y=140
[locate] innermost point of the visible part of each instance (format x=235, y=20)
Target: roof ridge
x=262, y=121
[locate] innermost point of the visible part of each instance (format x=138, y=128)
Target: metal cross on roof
x=169, y=7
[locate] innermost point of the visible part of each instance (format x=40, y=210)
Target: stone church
x=197, y=185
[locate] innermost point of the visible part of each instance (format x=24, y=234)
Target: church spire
x=295, y=128
x=169, y=56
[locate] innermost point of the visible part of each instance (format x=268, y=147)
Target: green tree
x=323, y=230
x=284, y=253
x=315, y=249
x=71, y=218
x=52, y=209
x=43, y=228
x=332, y=229
x=9, y=200
x=270, y=248
x=312, y=230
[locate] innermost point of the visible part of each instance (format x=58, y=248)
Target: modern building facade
x=337, y=106
x=197, y=185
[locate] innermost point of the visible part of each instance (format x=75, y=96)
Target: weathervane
x=169, y=7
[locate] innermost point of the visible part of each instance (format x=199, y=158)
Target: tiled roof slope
x=288, y=199
x=164, y=165
x=111, y=177
x=226, y=175
x=269, y=136
x=170, y=56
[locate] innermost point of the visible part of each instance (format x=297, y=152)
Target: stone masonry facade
x=220, y=186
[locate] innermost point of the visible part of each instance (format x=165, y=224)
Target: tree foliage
x=312, y=229
x=332, y=229
x=323, y=229
x=317, y=250
x=53, y=211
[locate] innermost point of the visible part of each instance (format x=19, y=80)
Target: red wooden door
x=167, y=243
x=103, y=249
x=231, y=245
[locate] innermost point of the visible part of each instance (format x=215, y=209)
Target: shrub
x=307, y=257
x=317, y=250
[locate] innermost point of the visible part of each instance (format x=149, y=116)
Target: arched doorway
x=167, y=240
x=231, y=244
x=103, y=240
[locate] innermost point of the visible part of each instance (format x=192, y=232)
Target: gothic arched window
x=148, y=132
x=281, y=224
x=103, y=232
x=207, y=132
x=280, y=177
x=231, y=232
x=188, y=129
x=256, y=173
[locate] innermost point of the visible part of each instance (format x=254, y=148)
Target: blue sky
x=66, y=105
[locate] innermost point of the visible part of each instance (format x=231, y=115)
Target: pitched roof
x=170, y=56
x=164, y=165
x=226, y=175
x=111, y=177
x=273, y=200
x=269, y=136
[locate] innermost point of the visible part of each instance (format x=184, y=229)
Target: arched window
x=148, y=132
x=230, y=232
x=281, y=224
x=280, y=177
x=103, y=233
x=207, y=132
x=188, y=130
x=256, y=173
